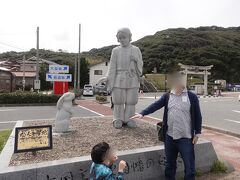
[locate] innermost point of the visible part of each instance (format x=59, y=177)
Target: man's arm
x=155, y=106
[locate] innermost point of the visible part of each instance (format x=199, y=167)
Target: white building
x=97, y=71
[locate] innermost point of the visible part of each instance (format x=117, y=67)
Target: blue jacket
x=196, y=117
x=103, y=172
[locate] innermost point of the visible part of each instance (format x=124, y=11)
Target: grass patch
x=218, y=167
x=3, y=138
x=198, y=173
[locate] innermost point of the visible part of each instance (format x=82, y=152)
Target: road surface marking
x=2, y=110
x=220, y=100
x=232, y=121
x=236, y=111
x=7, y=122
x=90, y=110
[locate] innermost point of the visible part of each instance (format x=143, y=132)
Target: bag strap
x=166, y=103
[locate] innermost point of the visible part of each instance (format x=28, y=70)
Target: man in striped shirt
x=182, y=124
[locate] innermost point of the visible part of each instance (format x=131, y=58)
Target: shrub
x=78, y=93
x=27, y=97
x=219, y=167
x=4, y=91
x=100, y=98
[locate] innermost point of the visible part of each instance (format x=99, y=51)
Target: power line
x=12, y=46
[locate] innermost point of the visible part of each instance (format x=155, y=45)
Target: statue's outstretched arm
x=139, y=63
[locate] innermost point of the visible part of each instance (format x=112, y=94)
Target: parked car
x=102, y=89
x=88, y=90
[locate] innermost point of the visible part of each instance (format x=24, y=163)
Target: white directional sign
x=58, y=69
x=59, y=77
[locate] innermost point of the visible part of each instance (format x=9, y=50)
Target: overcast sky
x=58, y=20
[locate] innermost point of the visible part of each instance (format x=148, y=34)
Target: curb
x=206, y=127
x=221, y=131
x=7, y=152
x=35, y=104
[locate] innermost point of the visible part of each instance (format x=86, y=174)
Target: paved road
x=9, y=115
x=221, y=112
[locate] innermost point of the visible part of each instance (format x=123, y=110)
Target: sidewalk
x=227, y=147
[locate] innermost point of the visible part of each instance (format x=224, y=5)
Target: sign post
x=37, y=84
x=59, y=79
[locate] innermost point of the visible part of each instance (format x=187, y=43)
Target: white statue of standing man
x=123, y=79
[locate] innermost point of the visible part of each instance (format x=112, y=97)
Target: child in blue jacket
x=103, y=158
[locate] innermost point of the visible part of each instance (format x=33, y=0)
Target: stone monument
x=123, y=79
x=64, y=112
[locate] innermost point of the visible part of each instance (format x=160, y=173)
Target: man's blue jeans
x=185, y=147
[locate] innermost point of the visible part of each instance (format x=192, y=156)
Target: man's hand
x=121, y=166
x=195, y=140
x=137, y=115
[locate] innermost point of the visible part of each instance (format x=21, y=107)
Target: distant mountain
x=165, y=49
x=194, y=46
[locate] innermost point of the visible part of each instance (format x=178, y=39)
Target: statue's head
x=124, y=36
x=66, y=97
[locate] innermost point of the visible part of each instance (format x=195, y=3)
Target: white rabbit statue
x=64, y=112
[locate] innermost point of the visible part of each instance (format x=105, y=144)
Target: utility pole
x=75, y=74
x=24, y=81
x=37, y=60
x=37, y=83
x=79, y=50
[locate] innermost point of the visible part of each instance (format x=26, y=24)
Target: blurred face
x=177, y=82
x=123, y=39
x=111, y=157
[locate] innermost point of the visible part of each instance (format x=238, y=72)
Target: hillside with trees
x=194, y=46
x=165, y=49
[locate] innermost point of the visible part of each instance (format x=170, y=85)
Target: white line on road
x=7, y=122
x=90, y=110
x=2, y=110
x=232, y=120
x=236, y=111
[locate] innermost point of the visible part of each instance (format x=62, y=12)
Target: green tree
x=84, y=72
x=45, y=85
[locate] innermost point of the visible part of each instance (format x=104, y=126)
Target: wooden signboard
x=33, y=138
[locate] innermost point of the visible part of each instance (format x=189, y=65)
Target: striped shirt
x=179, y=117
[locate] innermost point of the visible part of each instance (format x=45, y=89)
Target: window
x=97, y=72
x=106, y=63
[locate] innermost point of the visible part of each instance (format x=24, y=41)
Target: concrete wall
x=93, y=79
x=144, y=163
